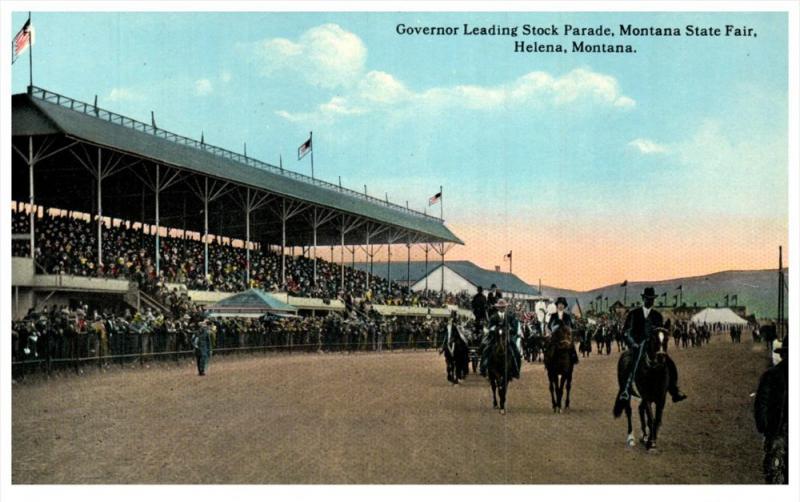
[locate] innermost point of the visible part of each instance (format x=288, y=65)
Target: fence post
x=141, y=348
x=47, y=354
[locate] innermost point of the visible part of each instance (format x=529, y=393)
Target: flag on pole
x=24, y=39
x=624, y=283
x=507, y=257
x=433, y=200
x=304, y=149
x=679, y=288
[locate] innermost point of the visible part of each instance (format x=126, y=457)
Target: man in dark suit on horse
x=499, y=321
x=639, y=326
x=494, y=295
x=479, y=305
x=771, y=409
x=562, y=318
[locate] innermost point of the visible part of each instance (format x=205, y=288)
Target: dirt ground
x=378, y=418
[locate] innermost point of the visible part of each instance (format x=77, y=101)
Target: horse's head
x=656, y=343
x=562, y=338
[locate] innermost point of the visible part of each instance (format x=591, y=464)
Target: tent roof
x=251, y=301
x=44, y=112
x=476, y=275
x=717, y=315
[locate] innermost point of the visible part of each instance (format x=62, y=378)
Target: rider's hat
x=563, y=301
x=501, y=303
x=649, y=293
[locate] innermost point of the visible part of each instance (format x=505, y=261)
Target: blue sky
x=687, y=133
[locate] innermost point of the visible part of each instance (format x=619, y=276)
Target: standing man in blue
x=201, y=341
x=639, y=325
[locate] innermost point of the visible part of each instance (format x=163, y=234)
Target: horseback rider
x=450, y=331
x=639, y=325
x=771, y=409
x=479, y=305
x=562, y=318
x=501, y=320
x=494, y=295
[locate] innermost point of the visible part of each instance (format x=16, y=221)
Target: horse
x=499, y=368
x=652, y=380
x=558, y=363
x=456, y=356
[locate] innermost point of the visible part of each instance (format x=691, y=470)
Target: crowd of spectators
x=68, y=245
x=63, y=336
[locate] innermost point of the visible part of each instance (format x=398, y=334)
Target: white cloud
x=379, y=91
x=203, y=87
x=326, y=56
x=225, y=76
x=648, y=147
x=124, y=94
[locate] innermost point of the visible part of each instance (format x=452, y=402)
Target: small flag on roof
x=24, y=39
x=304, y=149
x=436, y=198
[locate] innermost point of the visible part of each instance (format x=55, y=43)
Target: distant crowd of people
x=68, y=245
x=61, y=335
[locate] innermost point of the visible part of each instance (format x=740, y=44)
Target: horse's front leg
x=503, y=389
x=553, y=391
x=561, y=382
x=650, y=426
x=569, y=387
x=630, y=441
x=643, y=421
x=494, y=391
x=657, y=422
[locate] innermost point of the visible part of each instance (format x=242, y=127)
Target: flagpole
x=30, y=52
x=311, y=140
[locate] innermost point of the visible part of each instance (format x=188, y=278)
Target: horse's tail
x=619, y=406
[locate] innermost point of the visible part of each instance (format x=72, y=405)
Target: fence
x=85, y=350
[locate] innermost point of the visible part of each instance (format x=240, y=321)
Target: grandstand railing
x=115, y=118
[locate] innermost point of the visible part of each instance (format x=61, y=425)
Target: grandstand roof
x=45, y=113
x=476, y=275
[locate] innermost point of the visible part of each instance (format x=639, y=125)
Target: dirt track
x=372, y=418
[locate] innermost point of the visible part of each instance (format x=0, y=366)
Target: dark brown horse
x=499, y=369
x=558, y=363
x=652, y=380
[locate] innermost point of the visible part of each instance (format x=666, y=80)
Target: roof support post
x=283, y=243
x=315, y=225
x=207, y=194
x=348, y=224
x=369, y=255
x=205, y=231
x=247, y=210
x=158, y=214
x=31, y=198
x=408, y=263
x=317, y=218
x=99, y=177
x=426, y=269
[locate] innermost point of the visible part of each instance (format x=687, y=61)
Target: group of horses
x=652, y=377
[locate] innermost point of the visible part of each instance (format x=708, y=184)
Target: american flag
x=304, y=149
x=22, y=40
x=433, y=200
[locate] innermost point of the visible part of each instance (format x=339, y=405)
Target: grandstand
x=117, y=172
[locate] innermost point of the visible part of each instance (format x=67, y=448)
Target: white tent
x=717, y=315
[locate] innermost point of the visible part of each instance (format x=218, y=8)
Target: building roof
x=43, y=112
x=251, y=301
x=476, y=275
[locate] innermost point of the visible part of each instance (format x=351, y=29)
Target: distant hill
x=757, y=290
